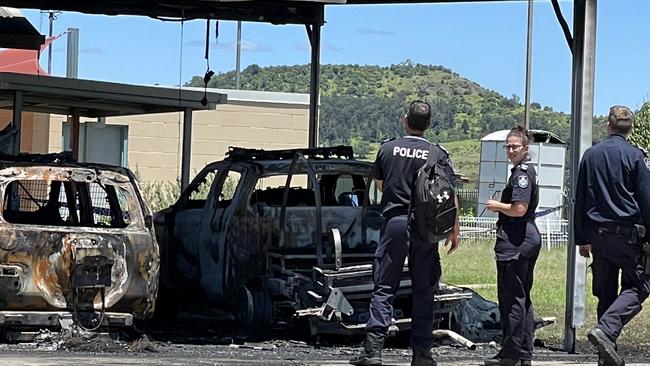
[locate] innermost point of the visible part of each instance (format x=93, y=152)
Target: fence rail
x=468, y=199
x=554, y=233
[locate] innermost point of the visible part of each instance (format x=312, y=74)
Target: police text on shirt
x=408, y=153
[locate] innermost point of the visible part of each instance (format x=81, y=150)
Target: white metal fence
x=555, y=233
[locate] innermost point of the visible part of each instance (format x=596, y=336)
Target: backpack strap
x=432, y=159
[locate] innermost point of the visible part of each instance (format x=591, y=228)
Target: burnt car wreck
x=76, y=245
x=280, y=235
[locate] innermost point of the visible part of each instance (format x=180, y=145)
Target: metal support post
x=314, y=87
x=74, y=133
x=18, y=119
x=187, y=148
x=582, y=111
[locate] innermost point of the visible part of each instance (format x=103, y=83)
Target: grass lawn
x=473, y=264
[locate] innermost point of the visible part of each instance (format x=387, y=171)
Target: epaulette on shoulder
x=386, y=140
x=443, y=149
x=523, y=166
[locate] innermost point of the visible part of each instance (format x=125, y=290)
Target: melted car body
x=76, y=244
x=278, y=235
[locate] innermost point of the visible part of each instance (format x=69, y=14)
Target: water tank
x=547, y=154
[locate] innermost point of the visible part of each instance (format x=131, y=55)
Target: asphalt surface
x=241, y=357
x=226, y=344
x=104, y=350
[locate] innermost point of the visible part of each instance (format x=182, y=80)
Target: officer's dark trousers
x=514, y=282
x=424, y=265
x=614, y=253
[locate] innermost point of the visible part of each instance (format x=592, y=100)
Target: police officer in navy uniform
x=517, y=248
x=395, y=169
x=612, y=195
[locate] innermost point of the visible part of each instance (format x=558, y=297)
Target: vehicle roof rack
x=53, y=158
x=242, y=154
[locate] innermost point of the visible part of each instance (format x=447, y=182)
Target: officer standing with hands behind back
x=612, y=199
x=395, y=171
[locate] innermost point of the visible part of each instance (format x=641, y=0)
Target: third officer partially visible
x=395, y=170
x=612, y=204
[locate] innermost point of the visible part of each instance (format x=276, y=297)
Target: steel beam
x=582, y=111
x=187, y=148
x=18, y=118
x=74, y=133
x=314, y=85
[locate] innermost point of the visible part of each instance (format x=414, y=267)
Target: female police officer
x=517, y=247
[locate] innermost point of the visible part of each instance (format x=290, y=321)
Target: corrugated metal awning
x=90, y=98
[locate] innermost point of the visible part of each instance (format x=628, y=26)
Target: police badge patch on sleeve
x=647, y=164
x=522, y=181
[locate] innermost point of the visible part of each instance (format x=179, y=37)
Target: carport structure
x=95, y=99
x=311, y=14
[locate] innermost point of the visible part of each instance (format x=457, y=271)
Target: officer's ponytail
x=523, y=133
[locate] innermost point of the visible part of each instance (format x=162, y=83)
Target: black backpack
x=432, y=212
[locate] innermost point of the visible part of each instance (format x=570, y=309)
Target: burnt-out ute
x=280, y=235
x=76, y=245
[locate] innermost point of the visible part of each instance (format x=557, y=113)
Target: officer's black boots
x=371, y=353
x=606, y=348
x=422, y=357
x=500, y=361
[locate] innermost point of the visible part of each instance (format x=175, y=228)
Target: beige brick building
x=151, y=144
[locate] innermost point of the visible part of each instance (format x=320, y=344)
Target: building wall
x=155, y=141
x=34, y=127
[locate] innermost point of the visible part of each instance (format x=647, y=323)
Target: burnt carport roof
x=271, y=11
x=17, y=31
x=49, y=94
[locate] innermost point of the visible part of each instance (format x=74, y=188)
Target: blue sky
x=484, y=42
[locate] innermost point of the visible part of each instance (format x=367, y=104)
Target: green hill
x=362, y=105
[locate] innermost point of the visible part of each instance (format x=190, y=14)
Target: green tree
x=640, y=134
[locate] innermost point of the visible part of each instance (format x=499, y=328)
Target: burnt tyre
x=253, y=307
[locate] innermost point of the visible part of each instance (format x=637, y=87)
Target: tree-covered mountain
x=361, y=105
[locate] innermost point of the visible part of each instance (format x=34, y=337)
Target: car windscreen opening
x=65, y=203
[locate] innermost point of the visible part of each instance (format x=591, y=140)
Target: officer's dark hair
x=621, y=119
x=523, y=133
x=419, y=115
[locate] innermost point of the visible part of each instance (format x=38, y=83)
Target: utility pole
x=52, y=16
x=238, y=64
x=529, y=51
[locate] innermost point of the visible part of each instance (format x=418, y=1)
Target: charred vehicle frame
x=282, y=234
x=76, y=245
